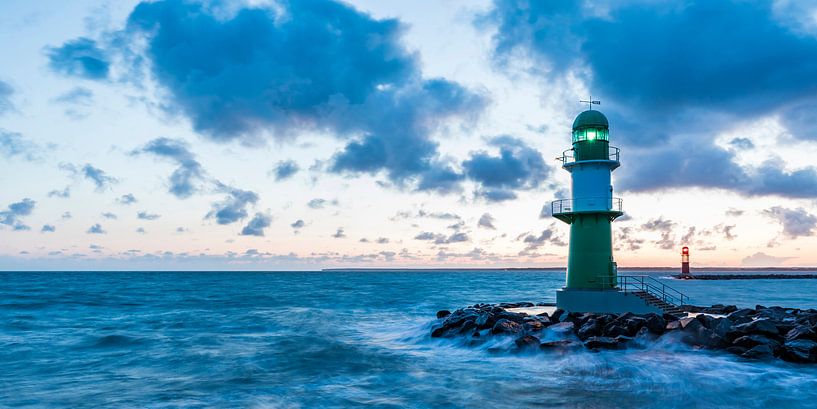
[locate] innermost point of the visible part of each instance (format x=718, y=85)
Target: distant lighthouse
x=685, y=261
x=592, y=283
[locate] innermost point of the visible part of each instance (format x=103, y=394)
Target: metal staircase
x=654, y=292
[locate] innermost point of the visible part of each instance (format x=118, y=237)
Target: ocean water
x=348, y=339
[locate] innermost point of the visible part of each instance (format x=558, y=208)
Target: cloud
x=285, y=169
x=517, y=167
x=98, y=176
x=140, y=230
x=742, y=144
x=12, y=144
x=96, y=229
x=48, y=228
x=127, y=199
x=761, y=259
x=437, y=238
x=732, y=212
x=533, y=242
x=382, y=240
x=234, y=207
x=109, y=216
x=319, y=203
x=796, y=222
x=339, y=234
x=486, y=221
x=6, y=91
x=257, y=225
x=303, y=65
x=297, y=225
x=147, y=216
x=15, y=211
x=665, y=228
x=672, y=84
x=64, y=193
x=74, y=99
x=189, y=173
x=79, y=58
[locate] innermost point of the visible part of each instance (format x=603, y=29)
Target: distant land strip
x=747, y=276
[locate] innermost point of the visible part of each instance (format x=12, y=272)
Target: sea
x=335, y=339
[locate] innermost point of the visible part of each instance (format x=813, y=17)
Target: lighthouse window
x=590, y=134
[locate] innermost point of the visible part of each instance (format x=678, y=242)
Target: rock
x=557, y=315
x=705, y=320
x=741, y=316
x=527, y=341
x=700, y=336
x=673, y=325
x=761, y=351
x=690, y=324
x=655, y=323
x=602, y=343
x=799, y=350
x=615, y=329
x=801, y=332
x=516, y=317
x=591, y=328
x=753, y=340
x=557, y=344
x=721, y=326
x=562, y=327
x=504, y=326
x=763, y=326
x=443, y=313
x=736, y=350
x=533, y=325
x=486, y=320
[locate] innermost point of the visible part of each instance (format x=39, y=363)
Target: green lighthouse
x=593, y=283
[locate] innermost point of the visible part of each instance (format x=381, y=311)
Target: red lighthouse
x=685, y=261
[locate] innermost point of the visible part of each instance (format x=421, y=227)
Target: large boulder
x=504, y=326
x=655, y=323
x=721, y=326
x=753, y=340
x=562, y=327
x=741, y=316
x=603, y=343
x=527, y=341
x=443, y=313
x=801, y=332
x=761, y=351
x=591, y=328
x=799, y=350
x=762, y=326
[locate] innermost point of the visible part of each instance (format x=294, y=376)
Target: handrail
x=586, y=204
x=648, y=284
x=567, y=155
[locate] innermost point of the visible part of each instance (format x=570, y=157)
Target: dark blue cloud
x=189, y=174
x=98, y=176
x=310, y=64
x=96, y=229
x=298, y=224
x=15, y=211
x=517, y=167
x=234, y=207
x=109, y=216
x=12, y=144
x=796, y=222
x=127, y=199
x=674, y=70
x=257, y=225
x=438, y=238
x=285, y=169
x=48, y=228
x=6, y=91
x=487, y=221
x=80, y=58
x=319, y=203
x=147, y=216
x=64, y=193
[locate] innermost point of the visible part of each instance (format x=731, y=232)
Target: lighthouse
x=592, y=283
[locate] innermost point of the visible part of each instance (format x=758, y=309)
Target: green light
x=591, y=134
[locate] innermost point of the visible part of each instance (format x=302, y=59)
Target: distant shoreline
x=701, y=269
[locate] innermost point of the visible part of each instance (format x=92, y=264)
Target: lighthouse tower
x=592, y=283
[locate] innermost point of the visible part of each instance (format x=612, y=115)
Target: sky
x=309, y=134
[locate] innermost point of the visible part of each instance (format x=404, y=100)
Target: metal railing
x=567, y=156
x=588, y=204
x=648, y=284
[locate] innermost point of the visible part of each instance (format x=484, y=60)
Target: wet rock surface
x=759, y=333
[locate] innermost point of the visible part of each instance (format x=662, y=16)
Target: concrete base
x=607, y=301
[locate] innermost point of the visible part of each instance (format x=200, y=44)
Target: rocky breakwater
x=754, y=333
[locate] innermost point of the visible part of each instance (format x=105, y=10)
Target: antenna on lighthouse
x=590, y=102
